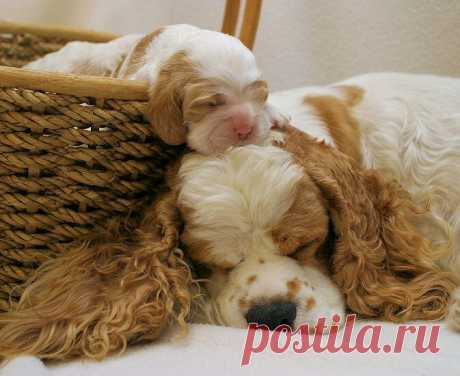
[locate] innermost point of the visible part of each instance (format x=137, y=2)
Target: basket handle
x=247, y=35
x=250, y=21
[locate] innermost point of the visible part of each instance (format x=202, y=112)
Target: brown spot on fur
x=297, y=230
x=353, y=94
x=293, y=287
x=261, y=261
x=338, y=118
x=243, y=303
x=165, y=110
x=252, y=279
x=136, y=58
x=310, y=303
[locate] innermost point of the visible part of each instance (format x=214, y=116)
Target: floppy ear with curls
x=383, y=265
x=164, y=110
x=98, y=297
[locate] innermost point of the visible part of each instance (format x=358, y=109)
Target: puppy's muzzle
x=272, y=314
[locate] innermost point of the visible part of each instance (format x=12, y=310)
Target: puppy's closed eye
x=217, y=100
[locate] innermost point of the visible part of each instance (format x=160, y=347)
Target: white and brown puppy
x=305, y=230
x=205, y=87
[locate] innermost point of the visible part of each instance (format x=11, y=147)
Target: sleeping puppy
x=301, y=231
x=205, y=87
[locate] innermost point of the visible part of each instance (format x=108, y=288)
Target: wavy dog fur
x=105, y=294
x=381, y=262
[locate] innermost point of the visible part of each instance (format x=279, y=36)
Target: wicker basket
x=74, y=152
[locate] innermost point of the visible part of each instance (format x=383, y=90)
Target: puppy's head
x=209, y=95
x=260, y=225
x=296, y=234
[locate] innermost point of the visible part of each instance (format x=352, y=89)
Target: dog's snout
x=272, y=314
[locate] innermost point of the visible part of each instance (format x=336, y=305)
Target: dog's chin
x=208, y=138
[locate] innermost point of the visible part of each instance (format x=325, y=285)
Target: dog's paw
x=278, y=119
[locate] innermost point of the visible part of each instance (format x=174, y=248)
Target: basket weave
x=74, y=152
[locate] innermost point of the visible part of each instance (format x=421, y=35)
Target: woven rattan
x=74, y=152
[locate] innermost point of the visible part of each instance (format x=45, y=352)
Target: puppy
x=302, y=232
x=205, y=87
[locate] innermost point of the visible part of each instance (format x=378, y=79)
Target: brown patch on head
x=305, y=225
x=310, y=303
x=293, y=287
x=337, y=116
x=202, y=97
x=135, y=59
x=252, y=279
x=165, y=108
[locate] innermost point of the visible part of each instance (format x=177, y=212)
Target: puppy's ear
x=164, y=110
x=103, y=295
x=383, y=265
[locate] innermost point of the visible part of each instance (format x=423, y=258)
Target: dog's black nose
x=272, y=314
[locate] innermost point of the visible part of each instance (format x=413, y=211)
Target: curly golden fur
x=99, y=297
x=127, y=286
x=383, y=265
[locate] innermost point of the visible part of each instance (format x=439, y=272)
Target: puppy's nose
x=241, y=125
x=243, y=131
x=272, y=314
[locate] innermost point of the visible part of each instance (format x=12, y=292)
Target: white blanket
x=211, y=350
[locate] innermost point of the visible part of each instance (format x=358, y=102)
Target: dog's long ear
x=99, y=297
x=165, y=111
x=384, y=266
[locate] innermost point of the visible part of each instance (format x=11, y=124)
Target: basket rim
x=60, y=31
x=72, y=84
x=63, y=83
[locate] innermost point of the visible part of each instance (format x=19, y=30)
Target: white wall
x=299, y=41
